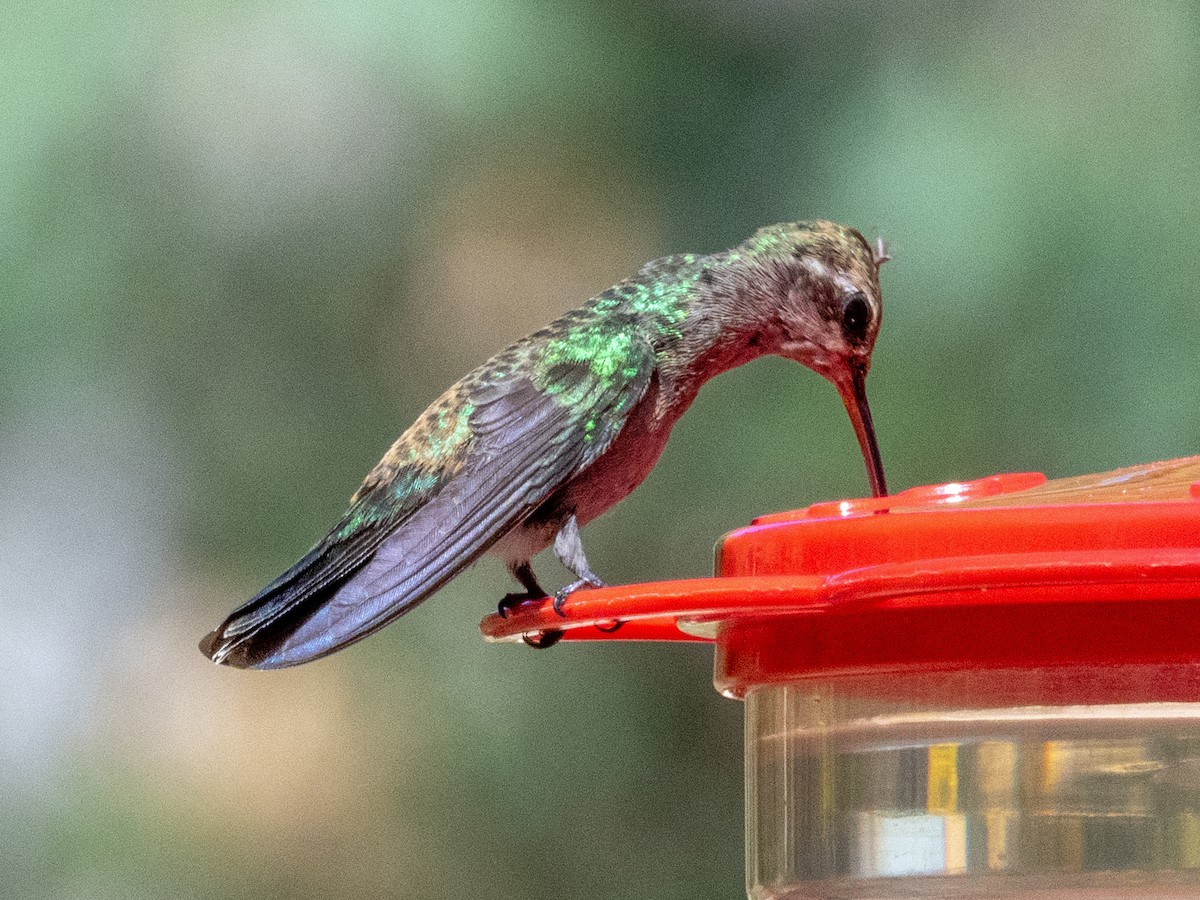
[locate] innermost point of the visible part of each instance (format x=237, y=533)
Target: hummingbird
x=557, y=428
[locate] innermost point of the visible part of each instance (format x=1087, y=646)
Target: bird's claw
x=511, y=602
x=560, y=596
x=542, y=640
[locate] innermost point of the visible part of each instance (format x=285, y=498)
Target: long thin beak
x=854, y=395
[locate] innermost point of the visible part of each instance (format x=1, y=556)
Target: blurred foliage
x=243, y=244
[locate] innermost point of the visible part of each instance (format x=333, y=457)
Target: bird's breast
x=623, y=466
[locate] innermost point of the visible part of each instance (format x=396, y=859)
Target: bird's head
x=820, y=281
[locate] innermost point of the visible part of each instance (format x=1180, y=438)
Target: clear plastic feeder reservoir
x=988, y=689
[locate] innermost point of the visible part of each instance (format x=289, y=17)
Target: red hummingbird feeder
x=979, y=689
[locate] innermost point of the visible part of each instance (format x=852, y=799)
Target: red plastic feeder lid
x=1007, y=571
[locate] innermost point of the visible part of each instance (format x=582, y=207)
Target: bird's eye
x=856, y=317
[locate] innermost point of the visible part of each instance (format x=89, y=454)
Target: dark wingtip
x=253, y=634
x=208, y=643
x=217, y=647
x=250, y=639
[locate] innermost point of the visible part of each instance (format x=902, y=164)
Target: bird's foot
x=560, y=596
x=512, y=601
x=540, y=640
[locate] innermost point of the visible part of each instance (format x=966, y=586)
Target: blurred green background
x=243, y=244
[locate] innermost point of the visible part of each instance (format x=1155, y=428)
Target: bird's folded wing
x=529, y=435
